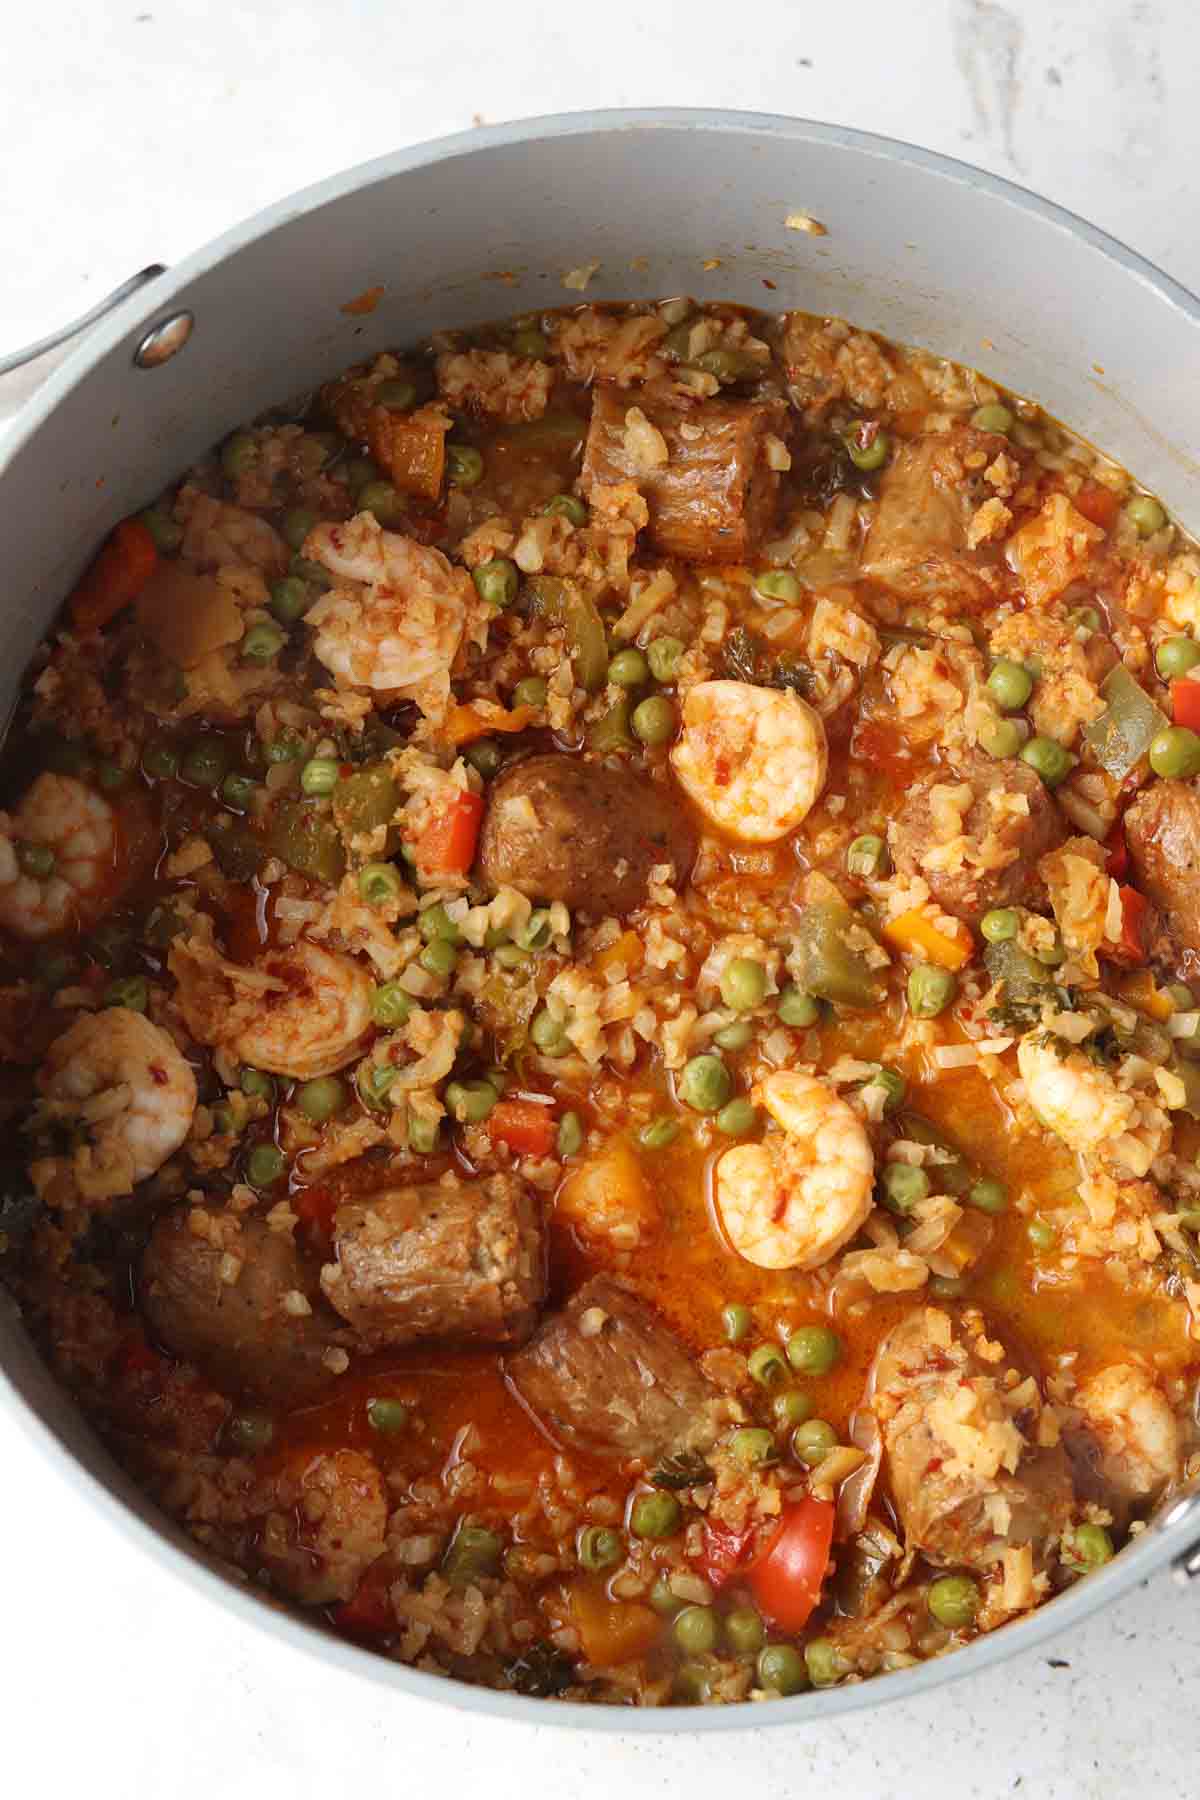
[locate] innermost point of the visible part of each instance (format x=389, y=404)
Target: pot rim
x=1157, y=1545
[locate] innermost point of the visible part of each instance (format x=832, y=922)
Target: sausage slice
x=583, y=833
x=1162, y=829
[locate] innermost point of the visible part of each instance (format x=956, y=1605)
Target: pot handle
x=17, y=359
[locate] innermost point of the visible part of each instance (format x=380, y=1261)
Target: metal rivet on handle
x=164, y=340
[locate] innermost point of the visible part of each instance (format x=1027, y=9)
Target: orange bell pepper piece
x=116, y=576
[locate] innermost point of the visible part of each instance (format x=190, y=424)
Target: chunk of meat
x=606, y=1376
x=452, y=1261
x=327, y=1527
x=975, y=833
x=1126, y=1444
x=230, y=1295
x=1162, y=829
x=583, y=833
x=917, y=545
x=968, y=1477
x=712, y=496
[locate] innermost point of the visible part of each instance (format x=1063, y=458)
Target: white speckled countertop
x=133, y=132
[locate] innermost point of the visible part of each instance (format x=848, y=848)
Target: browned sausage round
x=583, y=833
x=1162, y=829
x=1011, y=842
x=240, y=1332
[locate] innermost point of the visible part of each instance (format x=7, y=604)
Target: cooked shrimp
x=400, y=632
x=122, y=1081
x=753, y=759
x=301, y=1012
x=793, y=1200
x=1130, y=1435
x=1072, y=1097
x=55, y=852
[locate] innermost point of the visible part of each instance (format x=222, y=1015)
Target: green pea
x=988, y=1195
x=464, y=465
x=1175, y=753
x=373, y=1081
x=320, y=775
x=566, y=506
x=777, y=584
x=693, y=1684
x=695, y=1630
x=238, y=454
x=992, y=417
x=1000, y=925
x=395, y=393
x=316, y=575
x=728, y=365
x=812, y=1442
x=1176, y=656
x=653, y=721
x=743, y=983
x=893, y=1084
x=291, y=599
x=496, y=582
x=737, y=1321
x=1010, y=685
x=930, y=990
x=206, y=763
x=470, y=1102
x=422, y=1135
x=1085, y=620
x=823, y=1663
x=658, y=1134
x=264, y=1165
x=435, y=923
x=379, y=884
x=262, y=642
x=485, y=756
x=629, y=668
x=953, y=1600
x=1145, y=514
x=664, y=1599
x=1092, y=1546
x=257, y=1084
x=781, y=1668
x=767, y=1365
x=238, y=791
x=160, y=760
x=656, y=1515
x=753, y=1445
x=389, y=1417
x=548, y=1034
x=251, y=1432
x=1001, y=738
x=868, y=446
x=867, y=858
x=738, y=1119
x=569, y=1137
x=798, y=1009
x=472, y=1554
x=903, y=1185
x=439, y=958
x=224, y=1121
x=532, y=691
x=37, y=860
x=529, y=341
x=792, y=1408
x=814, y=1349
x=359, y=472
x=664, y=656
x=166, y=533
x=705, y=1084
x=298, y=521
x=390, y=1005
x=1052, y=762
x=735, y=1036
x=382, y=501
x=536, y=932
x=599, y=1547
x=1041, y=1234
x=745, y=1632
x=111, y=776
x=133, y=993
x=322, y=1098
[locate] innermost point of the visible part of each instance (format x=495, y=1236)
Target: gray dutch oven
x=719, y=205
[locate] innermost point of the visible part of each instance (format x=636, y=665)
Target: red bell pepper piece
x=1116, y=852
x=525, y=1127
x=1098, y=504
x=368, y=1612
x=447, y=844
x=723, y=1552
x=1131, y=946
x=786, y=1579
x=1185, y=703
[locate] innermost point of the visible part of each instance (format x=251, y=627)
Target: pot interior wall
x=924, y=251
